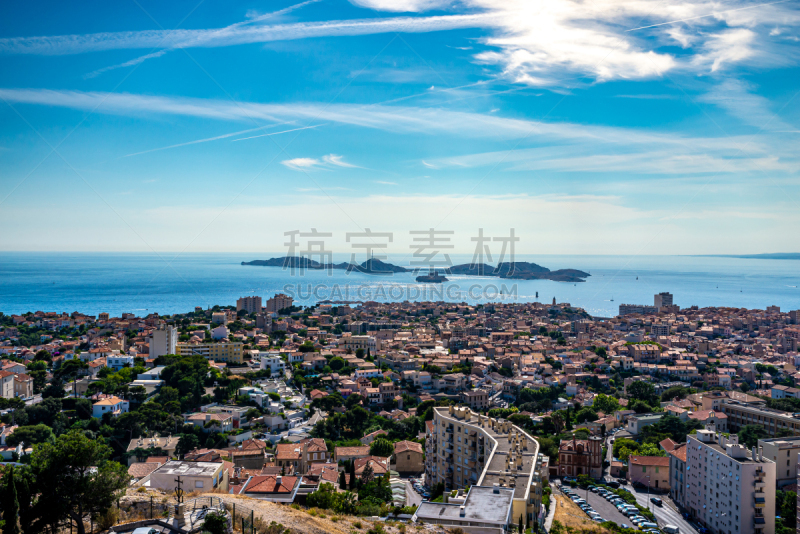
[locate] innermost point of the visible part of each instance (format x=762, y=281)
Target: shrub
x=108, y=519
x=216, y=523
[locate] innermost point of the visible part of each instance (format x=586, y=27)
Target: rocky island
x=517, y=270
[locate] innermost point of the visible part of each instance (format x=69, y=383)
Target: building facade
x=782, y=451
x=468, y=449
x=249, y=304
x=581, y=457
x=163, y=341
x=220, y=352
x=741, y=414
x=730, y=489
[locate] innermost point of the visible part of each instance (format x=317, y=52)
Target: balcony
x=759, y=521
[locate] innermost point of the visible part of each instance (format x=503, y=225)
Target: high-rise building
x=163, y=341
x=729, y=489
x=662, y=299
x=249, y=304
x=278, y=302
x=464, y=448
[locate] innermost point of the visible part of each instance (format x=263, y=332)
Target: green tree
x=643, y=391
x=342, y=480
x=75, y=478
x=585, y=414
x=10, y=504
x=30, y=435
x=750, y=434
x=605, y=403
x=381, y=447
x=186, y=444
x=215, y=523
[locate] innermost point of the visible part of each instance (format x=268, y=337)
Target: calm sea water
x=166, y=283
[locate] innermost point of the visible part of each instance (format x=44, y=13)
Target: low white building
x=112, y=405
x=119, y=361
x=220, y=332
x=195, y=476
x=273, y=363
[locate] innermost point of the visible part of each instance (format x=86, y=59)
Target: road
x=606, y=510
x=666, y=514
x=412, y=497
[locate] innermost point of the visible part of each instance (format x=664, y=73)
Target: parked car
x=671, y=529
x=656, y=501
x=613, y=484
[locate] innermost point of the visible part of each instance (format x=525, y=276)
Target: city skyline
x=610, y=128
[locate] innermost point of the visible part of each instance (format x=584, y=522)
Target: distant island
x=433, y=277
x=767, y=256
x=518, y=270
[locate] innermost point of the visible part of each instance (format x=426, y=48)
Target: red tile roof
x=269, y=484
x=403, y=446
x=660, y=461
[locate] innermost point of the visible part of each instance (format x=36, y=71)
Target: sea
x=168, y=283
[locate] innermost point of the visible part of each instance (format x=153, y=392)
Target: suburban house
x=649, y=471
x=212, y=422
x=195, y=476
x=409, y=457
x=112, y=405
x=273, y=488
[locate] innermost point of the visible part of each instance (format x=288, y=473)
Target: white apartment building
x=782, y=451
x=163, y=341
x=468, y=449
x=729, y=489
x=274, y=364
x=119, y=361
x=249, y=304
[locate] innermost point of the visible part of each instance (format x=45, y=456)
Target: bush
x=108, y=519
x=216, y=523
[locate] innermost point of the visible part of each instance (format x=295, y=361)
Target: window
x=198, y=483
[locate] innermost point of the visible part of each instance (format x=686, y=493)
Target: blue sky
x=603, y=127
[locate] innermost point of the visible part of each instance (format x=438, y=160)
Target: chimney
x=278, y=479
x=753, y=454
x=462, y=510
x=761, y=454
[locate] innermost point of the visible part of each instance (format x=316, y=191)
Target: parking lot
x=607, y=510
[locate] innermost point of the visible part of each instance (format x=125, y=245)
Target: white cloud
x=338, y=161
x=726, y=47
x=331, y=160
x=537, y=43
x=400, y=6
x=301, y=164
x=736, y=98
x=615, y=144
x=385, y=183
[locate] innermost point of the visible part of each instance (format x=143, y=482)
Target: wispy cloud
x=338, y=161
x=196, y=141
x=237, y=34
x=302, y=164
x=614, y=146
x=385, y=183
x=326, y=162
x=533, y=43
